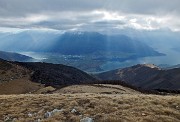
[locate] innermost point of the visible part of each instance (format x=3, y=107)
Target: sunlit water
x=35, y=55
x=172, y=58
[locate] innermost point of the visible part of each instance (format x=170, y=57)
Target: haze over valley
x=105, y=52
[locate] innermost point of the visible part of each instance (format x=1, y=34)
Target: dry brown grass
x=12, y=72
x=96, y=88
x=14, y=79
x=19, y=86
x=44, y=90
x=100, y=107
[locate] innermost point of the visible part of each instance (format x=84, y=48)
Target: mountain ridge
x=12, y=56
x=25, y=77
x=83, y=42
x=145, y=76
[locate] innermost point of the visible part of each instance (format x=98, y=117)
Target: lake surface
x=172, y=58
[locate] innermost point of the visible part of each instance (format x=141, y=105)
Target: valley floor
x=80, y=103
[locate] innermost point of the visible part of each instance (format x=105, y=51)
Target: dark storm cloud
x=74, y=14
x=23, y=7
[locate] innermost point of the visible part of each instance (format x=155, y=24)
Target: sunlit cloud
x=108, y=15
x=35, y=18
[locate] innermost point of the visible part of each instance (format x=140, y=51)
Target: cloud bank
x=90, y=15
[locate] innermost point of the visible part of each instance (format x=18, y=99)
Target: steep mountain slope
x=174, y=66
x=14, y=79
x=167, y=79
x=10, y=71
x=80, y=43
x=146, y=76
x=56, y=74
x=10, y=56
x=74, y=43
x=17, y=77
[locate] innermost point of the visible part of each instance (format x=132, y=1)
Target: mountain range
x=78, y=49
x=93, y=42
x=74, y=43
x=24, y=77
x=145, y=76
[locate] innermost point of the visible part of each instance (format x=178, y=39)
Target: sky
x=90, y=15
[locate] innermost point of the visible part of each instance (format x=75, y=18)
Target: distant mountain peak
x=153, y=66
x=83, y=33
x=79, y=32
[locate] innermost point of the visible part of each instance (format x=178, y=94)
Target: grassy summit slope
x=99, y=107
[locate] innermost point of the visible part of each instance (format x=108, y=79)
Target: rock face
x=146, y=76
